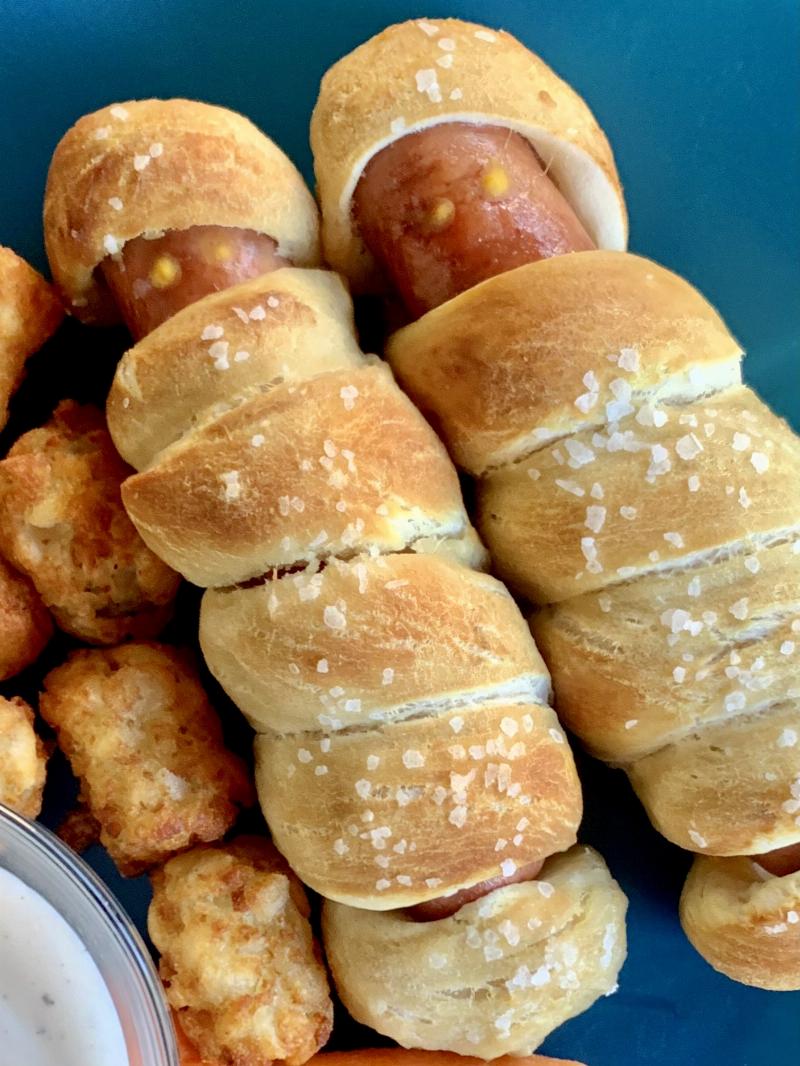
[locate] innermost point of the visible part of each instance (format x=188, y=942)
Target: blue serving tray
x=699, y=100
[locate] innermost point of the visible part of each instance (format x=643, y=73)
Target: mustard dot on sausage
x=441, y=214
x=495, y=181
x=222, y=252
x=166, y=271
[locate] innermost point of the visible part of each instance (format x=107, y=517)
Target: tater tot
x=238, y=960
x=188, y=1055
x=146, y=746
x=30, y=312
x=22, y=758
x=25, y=625
x=63, y=524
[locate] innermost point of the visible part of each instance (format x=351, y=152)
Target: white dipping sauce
x=55, y=1009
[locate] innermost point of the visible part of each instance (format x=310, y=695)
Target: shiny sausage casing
x=449, y=206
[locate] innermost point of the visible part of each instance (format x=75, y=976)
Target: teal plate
x=699, y=101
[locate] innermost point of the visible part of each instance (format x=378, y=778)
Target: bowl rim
x=115, y=921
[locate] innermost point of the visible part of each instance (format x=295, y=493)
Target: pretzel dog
x=628, y=483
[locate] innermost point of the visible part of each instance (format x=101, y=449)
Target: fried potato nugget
x=238, y=960
x=22, y=758
x=25, y=625
x=29, y=313
x=63, y=524
x=147, y=747
x=188, y=1055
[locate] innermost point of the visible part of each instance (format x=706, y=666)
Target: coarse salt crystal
x=458, y=816
x=348, y=394
x=595, y=518
x=232, y=486
x=740, y=609
x=570, y=486
x=413, y=759
x=760, y=462
x=688, y=447
x=334, y=618
x=427, y=82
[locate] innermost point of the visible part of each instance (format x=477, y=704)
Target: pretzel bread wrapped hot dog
x=406, y=753
x=628, y=483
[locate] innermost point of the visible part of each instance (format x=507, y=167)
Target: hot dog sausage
x=445, y=906
x=781, y=862
x=449, y=206
x=152, y=279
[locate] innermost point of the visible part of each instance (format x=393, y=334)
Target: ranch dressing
x=55, y=1009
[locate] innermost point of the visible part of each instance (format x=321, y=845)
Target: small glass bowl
x=39, y=859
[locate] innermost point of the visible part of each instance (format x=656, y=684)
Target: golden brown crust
x=147, y=748
x=731, y=787
x=25, y=625
x=375, y=639
x=22, y=758
x=716, y=474
x=188, y=1055
x=540, y=351
x=745, y=922
x=336, y=465
x=524, y=959
x=238, y=960
x=147, y=166
x=402, y=80
x=647, y=661
x=423, y=806
x=80, y=829
x=63, y=524
x=283, y=328
x=401, y=696
x=30, y=312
